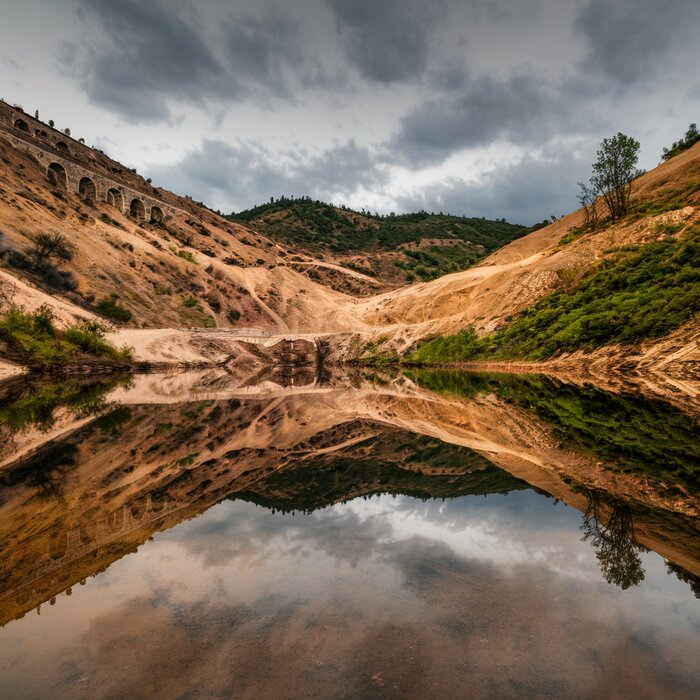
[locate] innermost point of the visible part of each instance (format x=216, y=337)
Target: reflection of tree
x=45, y=469
x=685, y=576
x=617, y=549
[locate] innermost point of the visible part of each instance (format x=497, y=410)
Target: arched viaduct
x=58, y=153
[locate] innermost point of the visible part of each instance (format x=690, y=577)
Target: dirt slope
x=195, y=269
x=200, y=270
x=515, y=276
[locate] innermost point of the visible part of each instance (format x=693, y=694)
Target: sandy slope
x=17, y=291
x=7, y=370
x=516, y=275
x=108, y=494
x=141, y=261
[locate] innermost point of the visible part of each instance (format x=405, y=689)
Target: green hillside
x=398, y=463
x=423, y=245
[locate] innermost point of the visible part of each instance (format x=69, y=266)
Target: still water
x=431, y=535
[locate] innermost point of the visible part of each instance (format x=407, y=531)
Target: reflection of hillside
x=391, y=461
x=32, y=412
x=71, y=507
x=630, y=432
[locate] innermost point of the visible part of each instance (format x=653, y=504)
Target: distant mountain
x=397, y=247
x=393, y=462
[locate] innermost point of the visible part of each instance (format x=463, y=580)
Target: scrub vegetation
x=425, y=245
x=629, y=433
x=637, y=293
x=36, y=341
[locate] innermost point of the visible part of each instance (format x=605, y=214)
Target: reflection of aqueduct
x=73, y=166
x=95, y=540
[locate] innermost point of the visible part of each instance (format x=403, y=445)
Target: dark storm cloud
x=387, y=40
x=150, y=54
x=523, y=109
x=235, y=176
x=525, y=193
x=264, y=60
x=462, y=75
x=270, y=55
x=627, y=42
x=632, y=39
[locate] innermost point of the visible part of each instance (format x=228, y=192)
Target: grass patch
x=34, y=337
x=630, y=433
x=186, y=255
x=638, y=293
x=110, y=307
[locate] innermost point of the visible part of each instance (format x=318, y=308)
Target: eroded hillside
x=106, y=466
x=665, y=203
x=190, y=267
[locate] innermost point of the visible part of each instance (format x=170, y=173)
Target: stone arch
x=57, y=176
x=21, y=125
x=40, y=133
x=87, y=189
x=62, y=146
x=137, y=210
x=156, y=214
x=114, y=197
x=58, y=545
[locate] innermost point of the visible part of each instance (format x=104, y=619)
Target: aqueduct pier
x=75, y=167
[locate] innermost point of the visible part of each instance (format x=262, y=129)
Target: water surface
x=425, y=537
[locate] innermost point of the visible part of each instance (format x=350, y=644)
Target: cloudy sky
x=480, y=107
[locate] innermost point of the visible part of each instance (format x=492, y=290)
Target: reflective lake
x=434, y=534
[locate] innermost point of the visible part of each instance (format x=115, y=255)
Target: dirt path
x=7, y=370
x=345, y=270
x=16, y=291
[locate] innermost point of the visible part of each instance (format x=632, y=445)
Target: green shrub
x=692, y=136
x=460, y=347
x=89, y=337
x=35, y=338
x=638, y=293
x=186, y=255
x=110, y=307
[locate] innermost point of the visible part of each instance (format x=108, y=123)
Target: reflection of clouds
x=521, y=528
x=428, y=597
x=248, y=534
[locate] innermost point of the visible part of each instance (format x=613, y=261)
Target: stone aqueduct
x=73, y=166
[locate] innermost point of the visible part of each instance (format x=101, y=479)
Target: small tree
x=692, y=136
x=614, y=171
x=51, y=123
x=588, y=198
x=50, y=247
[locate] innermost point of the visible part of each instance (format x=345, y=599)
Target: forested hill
x=315, y=225
x=421, y=244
